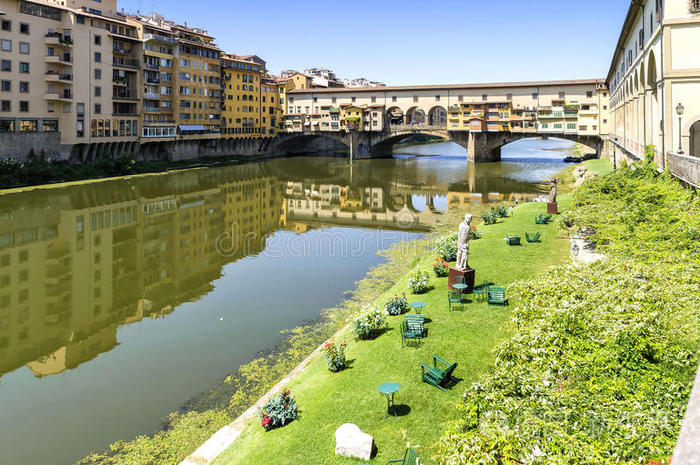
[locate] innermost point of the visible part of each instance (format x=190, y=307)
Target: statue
x=463, y=244
x=553, y=190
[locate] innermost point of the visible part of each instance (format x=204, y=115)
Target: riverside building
x=654, y=80
x=242, y=96
x=69, y=79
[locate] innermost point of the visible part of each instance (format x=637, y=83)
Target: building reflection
x=78, y=262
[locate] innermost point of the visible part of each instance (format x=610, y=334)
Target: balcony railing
x=125, y=51
x=126, y=63
x=160, y=38
x=124, y=93
x=56, y=38
x=152, y=66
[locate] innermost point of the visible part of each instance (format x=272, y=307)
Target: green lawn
x=600, y=166
x=327, y=400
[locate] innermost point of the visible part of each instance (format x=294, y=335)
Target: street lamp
x=679, y=110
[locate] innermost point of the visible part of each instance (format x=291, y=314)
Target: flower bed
x=334, y=355
x=396, y=306
x=369, y=323
x=441, y=268
x=279, y=411
x=419, y=281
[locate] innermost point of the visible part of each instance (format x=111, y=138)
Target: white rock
x=350, y=441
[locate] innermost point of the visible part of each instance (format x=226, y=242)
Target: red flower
x=265, y=422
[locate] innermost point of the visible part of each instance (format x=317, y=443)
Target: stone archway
x=395, y=116
x=415, y=116
x=694, y=147
x=437, y=116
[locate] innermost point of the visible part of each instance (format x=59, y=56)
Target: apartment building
x=68, y=78
x=273, y=95
x=160, y=48
x=242, y=114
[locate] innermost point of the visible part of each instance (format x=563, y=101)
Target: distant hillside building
x=362, y=82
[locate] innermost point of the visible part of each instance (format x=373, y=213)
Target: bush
x=602, y=358
x=279, y=411
x=489, y=217
x=446, y=246
x=474, y=234
x=441, y=268
x=501, y=211
x=397, y=305
x=369, y=323
x=335, y=355
x=418, y=281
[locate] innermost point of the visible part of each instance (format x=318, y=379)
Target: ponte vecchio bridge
x=480, y=117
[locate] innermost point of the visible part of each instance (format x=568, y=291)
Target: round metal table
x=417, y=305
x=388, y=390
x=460, y=288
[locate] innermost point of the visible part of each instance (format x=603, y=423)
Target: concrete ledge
x=685, y=168
x=688, y=446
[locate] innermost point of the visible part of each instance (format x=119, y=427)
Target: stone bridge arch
x=415, y=116
x=437, y=116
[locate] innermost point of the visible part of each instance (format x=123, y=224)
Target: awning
x=307, y=123
x=314, y=123
x=190, y=127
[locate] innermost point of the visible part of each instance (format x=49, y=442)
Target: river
x=121, y=299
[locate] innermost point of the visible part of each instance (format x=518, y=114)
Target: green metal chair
x=533, y=238
x=513, y=240
x=440, y=372
x=454, y=298
x=497, y=296
x=412, y=329
x=410, y=457
x=480, y=290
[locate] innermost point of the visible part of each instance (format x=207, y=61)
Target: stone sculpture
x=553, y=190
x=463, y=244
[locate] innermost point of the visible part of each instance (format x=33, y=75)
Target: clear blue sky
x=406, y=42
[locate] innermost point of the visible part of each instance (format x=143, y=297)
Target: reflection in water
x=79, y=263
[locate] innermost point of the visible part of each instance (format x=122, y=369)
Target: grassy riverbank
x=328, y=400
x=37, y=171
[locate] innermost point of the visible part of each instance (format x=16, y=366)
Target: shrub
x=441, y=268
x=489, y=217
x=397, y=305
x=369, y=323
x=474, y=234
x=501, y=211
x=446, y=246
x=418, y=281
x=335, y=355
x=279, y=411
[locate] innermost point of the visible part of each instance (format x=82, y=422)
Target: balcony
x=151, y=96
x=123, y=80
x=121, y=50
x=152, y=80
x=160, y=38
x=54, y=38
x=126, y=63
x=65, y=59
x=52, y=76
x=124, y=93
x=65, y=96
x=154, y=66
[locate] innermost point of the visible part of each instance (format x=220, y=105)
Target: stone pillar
x=483, y=147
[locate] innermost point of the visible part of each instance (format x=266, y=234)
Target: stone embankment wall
x=18, y=145
x=685, y=168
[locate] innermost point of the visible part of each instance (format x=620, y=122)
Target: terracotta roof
x=490, y=85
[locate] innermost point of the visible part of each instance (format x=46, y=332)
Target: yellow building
x=273, y=92
x=241, y=115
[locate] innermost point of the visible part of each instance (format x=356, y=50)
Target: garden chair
x=412, y=329
x=513, y=240
x=440, y=372
x=409, y=458
x=414, y=316
x=481, y=290
x=454, y=298
x=497, y=296
x=534, y=238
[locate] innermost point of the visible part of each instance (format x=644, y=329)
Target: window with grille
x=695, y=6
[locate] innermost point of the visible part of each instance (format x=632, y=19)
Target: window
x=589, y=94
x=28, y=125
x=374, y=99
x=23, y=28
x=437, y=98
x=23, y=86
x=5, y=86
x=509, y=96
x=6, y=65
x=49, y=107
x=23, y=106
x=353, y=99
x=98, y=91
x=695, y=6
x=484, y=97
x=6, y=25
x=6, y=45
x=49, y=125
x=98, y=39
x=24, y=48
x=535, y=95
x=23, y=67
x=98, y=108
x=98, y=57
x=80, y=109
x=393, y=98
x=562, y=95
x=98, y=73
x=5, y=105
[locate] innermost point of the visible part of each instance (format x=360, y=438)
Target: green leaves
x=602, y=357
